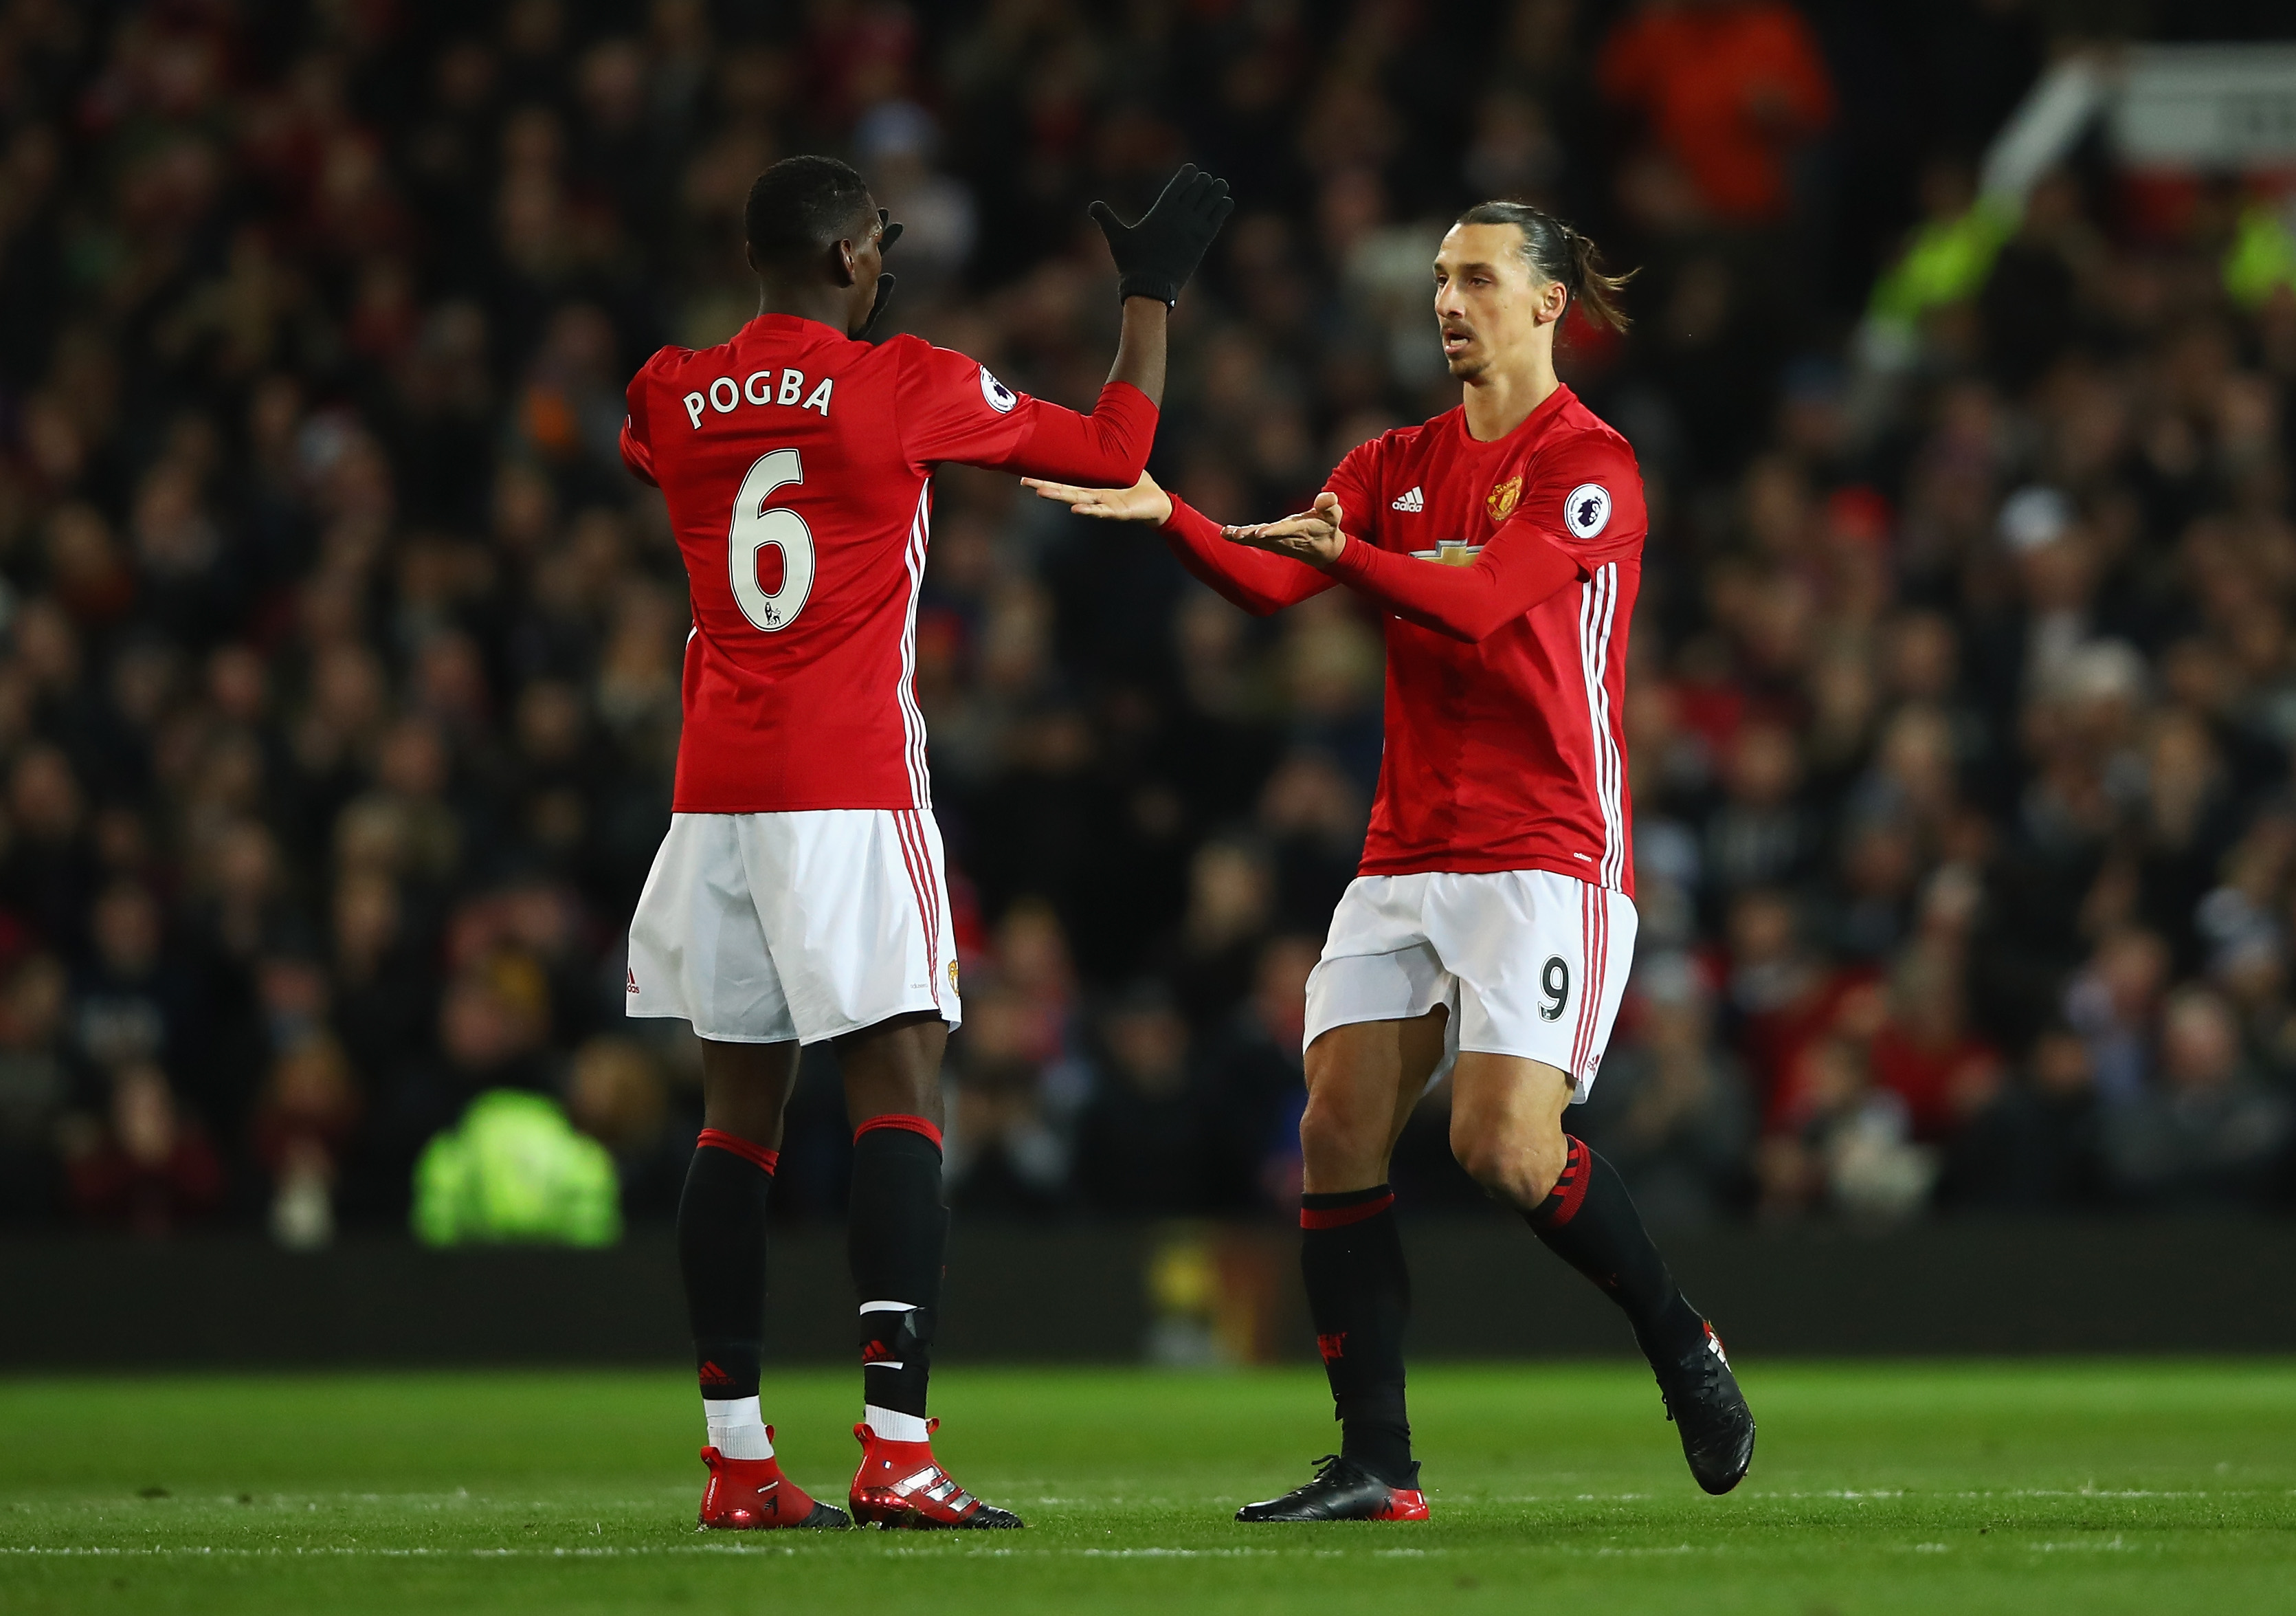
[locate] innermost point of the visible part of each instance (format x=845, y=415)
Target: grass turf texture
x=2094, y=1487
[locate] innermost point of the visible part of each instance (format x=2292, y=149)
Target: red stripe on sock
x=756, y=1155
x=915, y=1124
x=1340, y=1217
x=1570, y=1190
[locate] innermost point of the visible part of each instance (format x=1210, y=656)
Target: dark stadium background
x=338, y=655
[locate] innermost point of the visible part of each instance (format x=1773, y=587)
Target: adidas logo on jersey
x=1413, y=501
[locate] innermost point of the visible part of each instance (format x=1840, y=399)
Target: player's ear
x=843, y=265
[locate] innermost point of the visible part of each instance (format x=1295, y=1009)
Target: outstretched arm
x=1111, y=445
x=1517, y=569
x=1259, y=584
x=1154, y=259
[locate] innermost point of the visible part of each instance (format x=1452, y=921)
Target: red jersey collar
x=775, y=320
x=1546, y=407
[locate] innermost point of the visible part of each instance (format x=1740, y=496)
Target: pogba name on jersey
x=760, y=387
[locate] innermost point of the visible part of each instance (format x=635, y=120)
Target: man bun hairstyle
x=801, y=205
x=1556, y=252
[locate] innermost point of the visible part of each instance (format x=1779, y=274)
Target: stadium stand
x=339, y=657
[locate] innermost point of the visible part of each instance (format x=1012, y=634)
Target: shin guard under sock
x=1359, y=1296
x=721, y=1254
x=897, y=1234
x=1589, y=1221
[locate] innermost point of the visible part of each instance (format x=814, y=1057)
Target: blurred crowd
x=339, y=658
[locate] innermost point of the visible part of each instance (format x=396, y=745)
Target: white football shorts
x=762, y=927
x=1530, y=964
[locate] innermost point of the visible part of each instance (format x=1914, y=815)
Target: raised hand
x=1155, y=257
x=888, y=231
x=1143, y=501
x=1314, y=536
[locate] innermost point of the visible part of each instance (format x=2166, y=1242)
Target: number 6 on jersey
x=754, y=527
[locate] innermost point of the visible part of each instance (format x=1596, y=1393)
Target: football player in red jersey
x=1490, y=929
x=800, y=895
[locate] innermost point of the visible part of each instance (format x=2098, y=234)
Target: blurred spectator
x=2036, y=1145
x=1759, y=837
x=513, y=1168
x=302, y=1123
x=1671, y=1112
x=150, y=1169
x=1924, y=1052
x=1315, y=815
x=1231, y=904
x=2111, y=1004
x=1727, y=88
x=615, y=1094
x=1140, y=1145
x=1001, y=1152
x=493, y=1025
x=2209, y=1132
x=1848, y=1142
x=1254, y=1065
x=35, y=1086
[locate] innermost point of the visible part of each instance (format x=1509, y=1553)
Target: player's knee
x=1512, y=1158
x=1334, y=1140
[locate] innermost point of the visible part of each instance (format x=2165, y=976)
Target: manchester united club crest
x=1501, y=500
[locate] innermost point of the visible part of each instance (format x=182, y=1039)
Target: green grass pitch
x=2091, y=1487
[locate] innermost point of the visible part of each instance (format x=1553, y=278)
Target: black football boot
x=1703, y=1401
x=1342, y=1490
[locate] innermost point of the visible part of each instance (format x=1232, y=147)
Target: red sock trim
x=757, y=1155
x=915, y=1124
x=1340, y=1217
x=1563, y=1203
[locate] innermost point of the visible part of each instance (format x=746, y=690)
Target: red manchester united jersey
x=797, y=466
x=1508, y=753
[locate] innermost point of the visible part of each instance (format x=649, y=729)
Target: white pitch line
x=350, y=1552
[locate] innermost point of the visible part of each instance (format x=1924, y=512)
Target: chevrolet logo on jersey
x=1450, y=553
x=1500, y=502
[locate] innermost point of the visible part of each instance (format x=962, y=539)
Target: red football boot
x=902, y=1484
x=752, y=1495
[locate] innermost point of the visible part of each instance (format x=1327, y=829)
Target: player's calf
x=1589, y=1220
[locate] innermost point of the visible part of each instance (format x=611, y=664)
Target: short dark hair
x=1556, y=252
x=799, y=206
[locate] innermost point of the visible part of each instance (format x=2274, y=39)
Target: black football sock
x=896, y=1237
x=1359, y=1296
x=1589, y=1221
x=721, y=1253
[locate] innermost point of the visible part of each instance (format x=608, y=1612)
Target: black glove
x=1155, y=257
x=886, y=237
